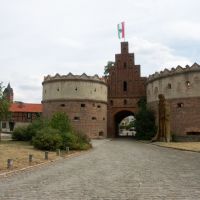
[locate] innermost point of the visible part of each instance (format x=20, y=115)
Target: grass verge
x=188, y=146
x=19, y=152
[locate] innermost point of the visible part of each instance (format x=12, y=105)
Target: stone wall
x=74, y=87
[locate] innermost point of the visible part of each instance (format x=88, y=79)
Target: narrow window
x=169, y=86
x=111, y=102
x=3, y=124
x=180, y=105
x=101, y=133
x=76, y=89
x=125, y=65
x=28, y=115
x=125, y=86
x=188, y=84
x=82, y=105
x=76, y=118
x=125, y=101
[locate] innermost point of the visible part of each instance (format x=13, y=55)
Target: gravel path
x=117, y=169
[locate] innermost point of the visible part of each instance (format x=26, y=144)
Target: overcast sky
x=41, y=37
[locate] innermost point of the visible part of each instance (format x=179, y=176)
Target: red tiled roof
x=26, y=107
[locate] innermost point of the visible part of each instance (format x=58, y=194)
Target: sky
x=41, y=37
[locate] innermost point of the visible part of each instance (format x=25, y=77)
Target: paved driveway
x=118, y=169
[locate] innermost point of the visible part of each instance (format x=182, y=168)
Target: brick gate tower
x=125, y=87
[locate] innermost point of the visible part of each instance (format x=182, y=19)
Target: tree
x=61, y=122
x=107, y=67
x=4, y=106
x=144, y=121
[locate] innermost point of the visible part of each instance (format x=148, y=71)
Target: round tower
x=180, y=86
x=83, y=98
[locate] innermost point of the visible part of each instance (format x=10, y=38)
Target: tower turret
x=8, y=93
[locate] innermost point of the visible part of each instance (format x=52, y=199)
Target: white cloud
x=184, y=30
x=154, y=56
x=47, y=37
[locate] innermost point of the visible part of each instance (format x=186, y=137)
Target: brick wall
x=185, y=115
x=89, y=117
x=125, y=87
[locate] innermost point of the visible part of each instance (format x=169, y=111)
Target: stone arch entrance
x=119, y=116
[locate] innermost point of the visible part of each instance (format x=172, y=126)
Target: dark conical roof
x=8, y=89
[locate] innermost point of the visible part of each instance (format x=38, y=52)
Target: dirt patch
x=189, y=146
x=19, y=152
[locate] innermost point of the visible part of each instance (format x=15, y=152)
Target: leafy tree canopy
x=60, y=121
x=4, y=105
x=144, y=121
x=107, y=67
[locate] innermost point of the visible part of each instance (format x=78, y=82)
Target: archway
x=122, y=121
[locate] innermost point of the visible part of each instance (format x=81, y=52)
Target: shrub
x=47, y=139
x=76, y=141
x=61, y=122
x=53, y=134
x=35, y=126
x=20, y=133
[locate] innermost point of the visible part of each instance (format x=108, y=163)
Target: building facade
x=83, y=98
x=20, y=113
x=125, y=88
x=180, y=86
x=98, y=112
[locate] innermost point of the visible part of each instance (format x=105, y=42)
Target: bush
x=61, y=122
x=26, y=133
x=53, y=134
x=76, y=141
x=35, y=126
x=20, y=133
x=47, y=139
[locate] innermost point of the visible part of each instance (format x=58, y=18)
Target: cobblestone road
x=118, y=169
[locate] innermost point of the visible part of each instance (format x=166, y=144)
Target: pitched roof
x=25, y=107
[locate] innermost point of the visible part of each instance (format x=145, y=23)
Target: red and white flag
x=121, y=30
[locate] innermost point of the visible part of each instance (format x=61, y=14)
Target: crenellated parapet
x=176, y=83
x=173, y=71
x=70, y=76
